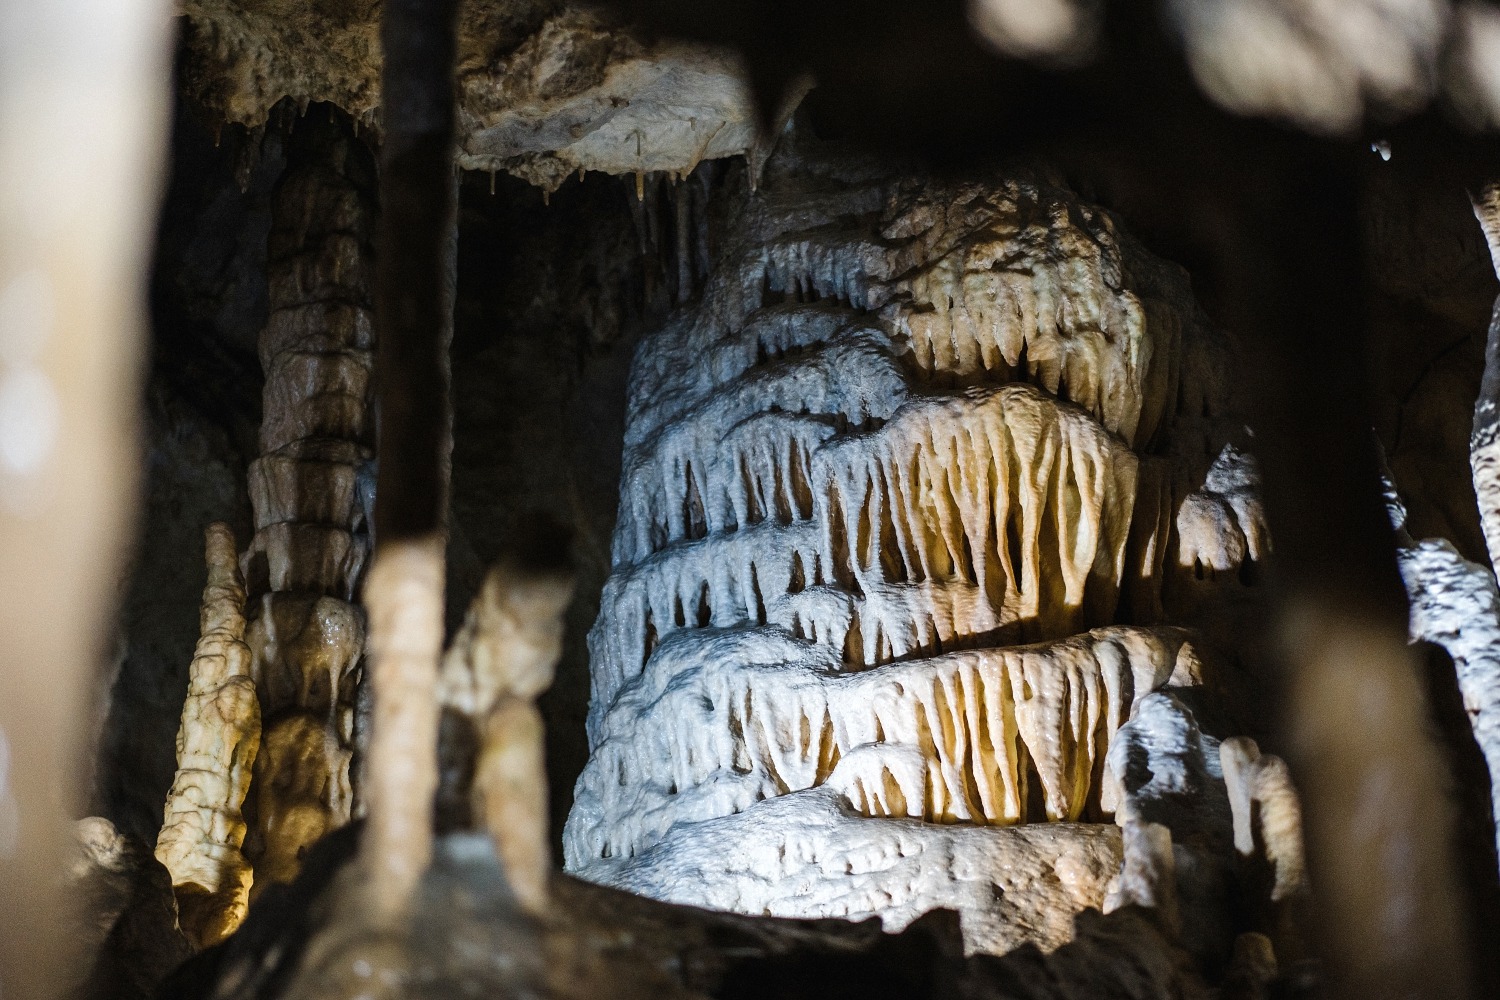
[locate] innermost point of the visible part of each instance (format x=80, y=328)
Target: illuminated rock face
x=882, y=491
x=202, y=828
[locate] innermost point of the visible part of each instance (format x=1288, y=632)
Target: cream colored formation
x=978, y=736
x=910, y=427
x=502, y=658
x=204, y=829
x=308, y=551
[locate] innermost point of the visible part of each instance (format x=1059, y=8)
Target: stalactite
x=956, y=738
x=203, y=828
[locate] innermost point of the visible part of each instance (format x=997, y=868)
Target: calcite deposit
x=882, y=492
x=309, y=492
x=204, y=829
x=545, y=89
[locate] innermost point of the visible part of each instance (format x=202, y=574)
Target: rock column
x=311, y=540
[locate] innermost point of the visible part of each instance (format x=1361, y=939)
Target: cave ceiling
x=545, y=89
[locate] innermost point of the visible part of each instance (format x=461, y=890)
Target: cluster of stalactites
x=959, y=516
x=1019, y=282
x=1009, y=281
x=203, y=828
x=723, y=718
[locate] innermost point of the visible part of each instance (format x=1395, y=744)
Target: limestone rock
x=203, y=828
x=811, y=854
x=545, y=89
x=877, y=489
x=309, y=494
x=1455, y=603
x=126, y=938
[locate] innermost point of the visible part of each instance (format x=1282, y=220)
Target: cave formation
x=657, y=499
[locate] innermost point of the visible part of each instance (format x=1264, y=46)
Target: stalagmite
x=311, y=537
x=501, y=659
x=876, y=490
x=203, y=828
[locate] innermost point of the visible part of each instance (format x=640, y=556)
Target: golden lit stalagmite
x=203, y=829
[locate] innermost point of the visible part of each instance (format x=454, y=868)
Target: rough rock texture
x=1455, y=604
x=813, y=855
x=1433, y=289
x=309, y=494
x=469, y=937
x=990, y=736
x=128, y=940
x=545, y=89
x=1175, y=822
x=203, y=828
x=887, y=444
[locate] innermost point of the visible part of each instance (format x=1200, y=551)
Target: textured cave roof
x=545, y=89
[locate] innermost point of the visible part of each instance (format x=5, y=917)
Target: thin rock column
x=501, y=660
x=311, y=542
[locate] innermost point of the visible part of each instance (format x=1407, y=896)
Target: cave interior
x=993, y=498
